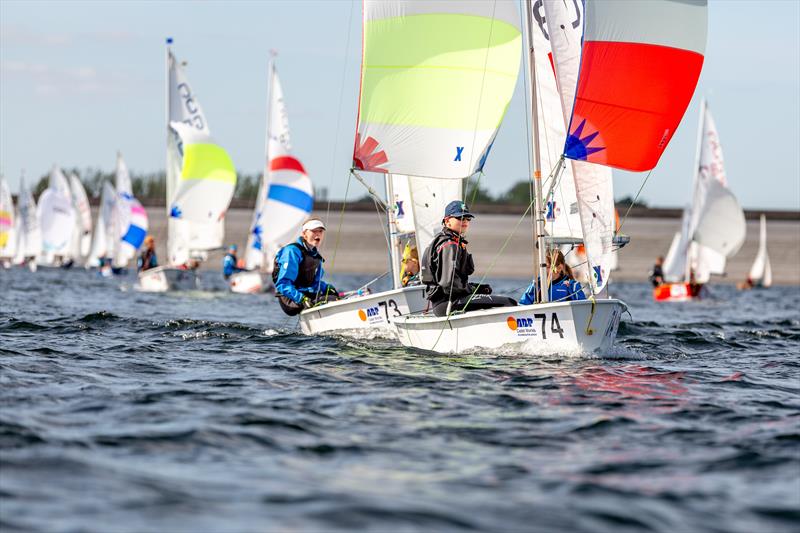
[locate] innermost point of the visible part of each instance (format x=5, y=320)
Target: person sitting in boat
x=563, y=286
x=657, y=274
x=230, y=263
x=409, y=274
x=447, y=265
x=298, y=272
x=148, y=258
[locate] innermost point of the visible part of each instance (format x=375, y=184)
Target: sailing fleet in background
x=607, y=85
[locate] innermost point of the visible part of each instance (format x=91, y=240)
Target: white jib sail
x=7, y=225
x=100, y=237
x=56, y=216
x=84, y=213
x=286, y=194
x=29, y=236
x=594, y=185
x=186, y=239
x=761, y=271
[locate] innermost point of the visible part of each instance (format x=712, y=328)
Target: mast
x=265, y=185
x=695, y=184
x=537, y=163
x=394, y=241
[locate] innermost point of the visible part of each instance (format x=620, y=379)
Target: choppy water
x=208, y=412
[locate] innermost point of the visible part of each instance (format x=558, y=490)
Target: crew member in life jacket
x=447, y=265
x=298, y=272
x=563, y=286
x=148, y=258
x=657, y=274
x=230, y=263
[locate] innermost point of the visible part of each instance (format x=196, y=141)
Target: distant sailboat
x=285, y=197
x=57, y=220
x=103, y=235
x=200, y=179
x=82, y=234
x=8, y=240
x=29, y=235
x=761, y=271
x=713, y=227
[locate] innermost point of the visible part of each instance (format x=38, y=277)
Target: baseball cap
x=314, y=223
x=457, y=208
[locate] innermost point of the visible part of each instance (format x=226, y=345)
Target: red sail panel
x=630, y=99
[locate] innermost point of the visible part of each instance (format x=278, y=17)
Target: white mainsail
x=83, y=216
x=188, y=236
x=713, y=226
x=102, y=237
x=56, y=216
x=593, y=186
x=7, y=225
x=761, y=271
x=285, y=193
x=29, y=235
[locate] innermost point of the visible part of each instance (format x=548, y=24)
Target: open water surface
x=208, y=411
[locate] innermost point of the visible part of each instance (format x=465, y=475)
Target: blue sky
x=80, y=80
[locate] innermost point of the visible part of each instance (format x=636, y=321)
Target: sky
x=81, y=80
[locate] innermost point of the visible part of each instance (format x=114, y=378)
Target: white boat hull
x=247, y=282
x=569, y=326
x=372, y=312
x=163, y=279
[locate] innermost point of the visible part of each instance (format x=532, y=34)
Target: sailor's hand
x=306, y=302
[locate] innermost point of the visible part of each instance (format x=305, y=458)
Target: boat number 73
x=555, y=325
x=386, y=305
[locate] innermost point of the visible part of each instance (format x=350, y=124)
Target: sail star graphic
x=577, y=147
x=365, y=156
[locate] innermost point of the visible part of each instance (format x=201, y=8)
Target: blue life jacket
x=298, y=271
x=229, y=265
x=561, y=290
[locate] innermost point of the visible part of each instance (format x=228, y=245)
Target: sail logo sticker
x=400, y=211
x=552, y=210
x=459, y=151
x=523, y=326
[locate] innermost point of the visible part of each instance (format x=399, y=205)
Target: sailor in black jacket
x=447, y=265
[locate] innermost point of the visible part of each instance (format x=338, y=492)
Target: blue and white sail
x=285, y=194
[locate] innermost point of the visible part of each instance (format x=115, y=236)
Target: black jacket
x=446, y=267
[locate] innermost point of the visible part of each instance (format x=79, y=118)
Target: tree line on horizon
x=153, y=185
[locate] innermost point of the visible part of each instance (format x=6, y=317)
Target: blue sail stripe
x=291, y=196
x=134, y=236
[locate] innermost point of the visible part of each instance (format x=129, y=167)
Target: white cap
x=314, y=223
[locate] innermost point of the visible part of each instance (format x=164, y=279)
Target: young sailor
x=230, y=263
x=298, y=272
x=563, y=286
x=148, y=258
x=657, y=274
x=447, y=265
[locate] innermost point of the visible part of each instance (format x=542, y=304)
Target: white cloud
x=49, y=80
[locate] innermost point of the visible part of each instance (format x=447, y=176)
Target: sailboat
x=57, y=220
x=415, y=123
x=81, y=241
x=128, y=220
x=285, y=197
x=200, y=178
x=103, y=235
x=29, y=235
x=713, y=226
x=634, y=80
x=761, y=271
x=8, y=240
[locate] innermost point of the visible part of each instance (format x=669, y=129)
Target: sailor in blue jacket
x=298, y=272
x=563, y=286
x=229, y=266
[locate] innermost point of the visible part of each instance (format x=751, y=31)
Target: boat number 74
x=555, y=325
x=386, y=305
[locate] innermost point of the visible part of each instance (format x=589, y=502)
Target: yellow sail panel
x=436, y=80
